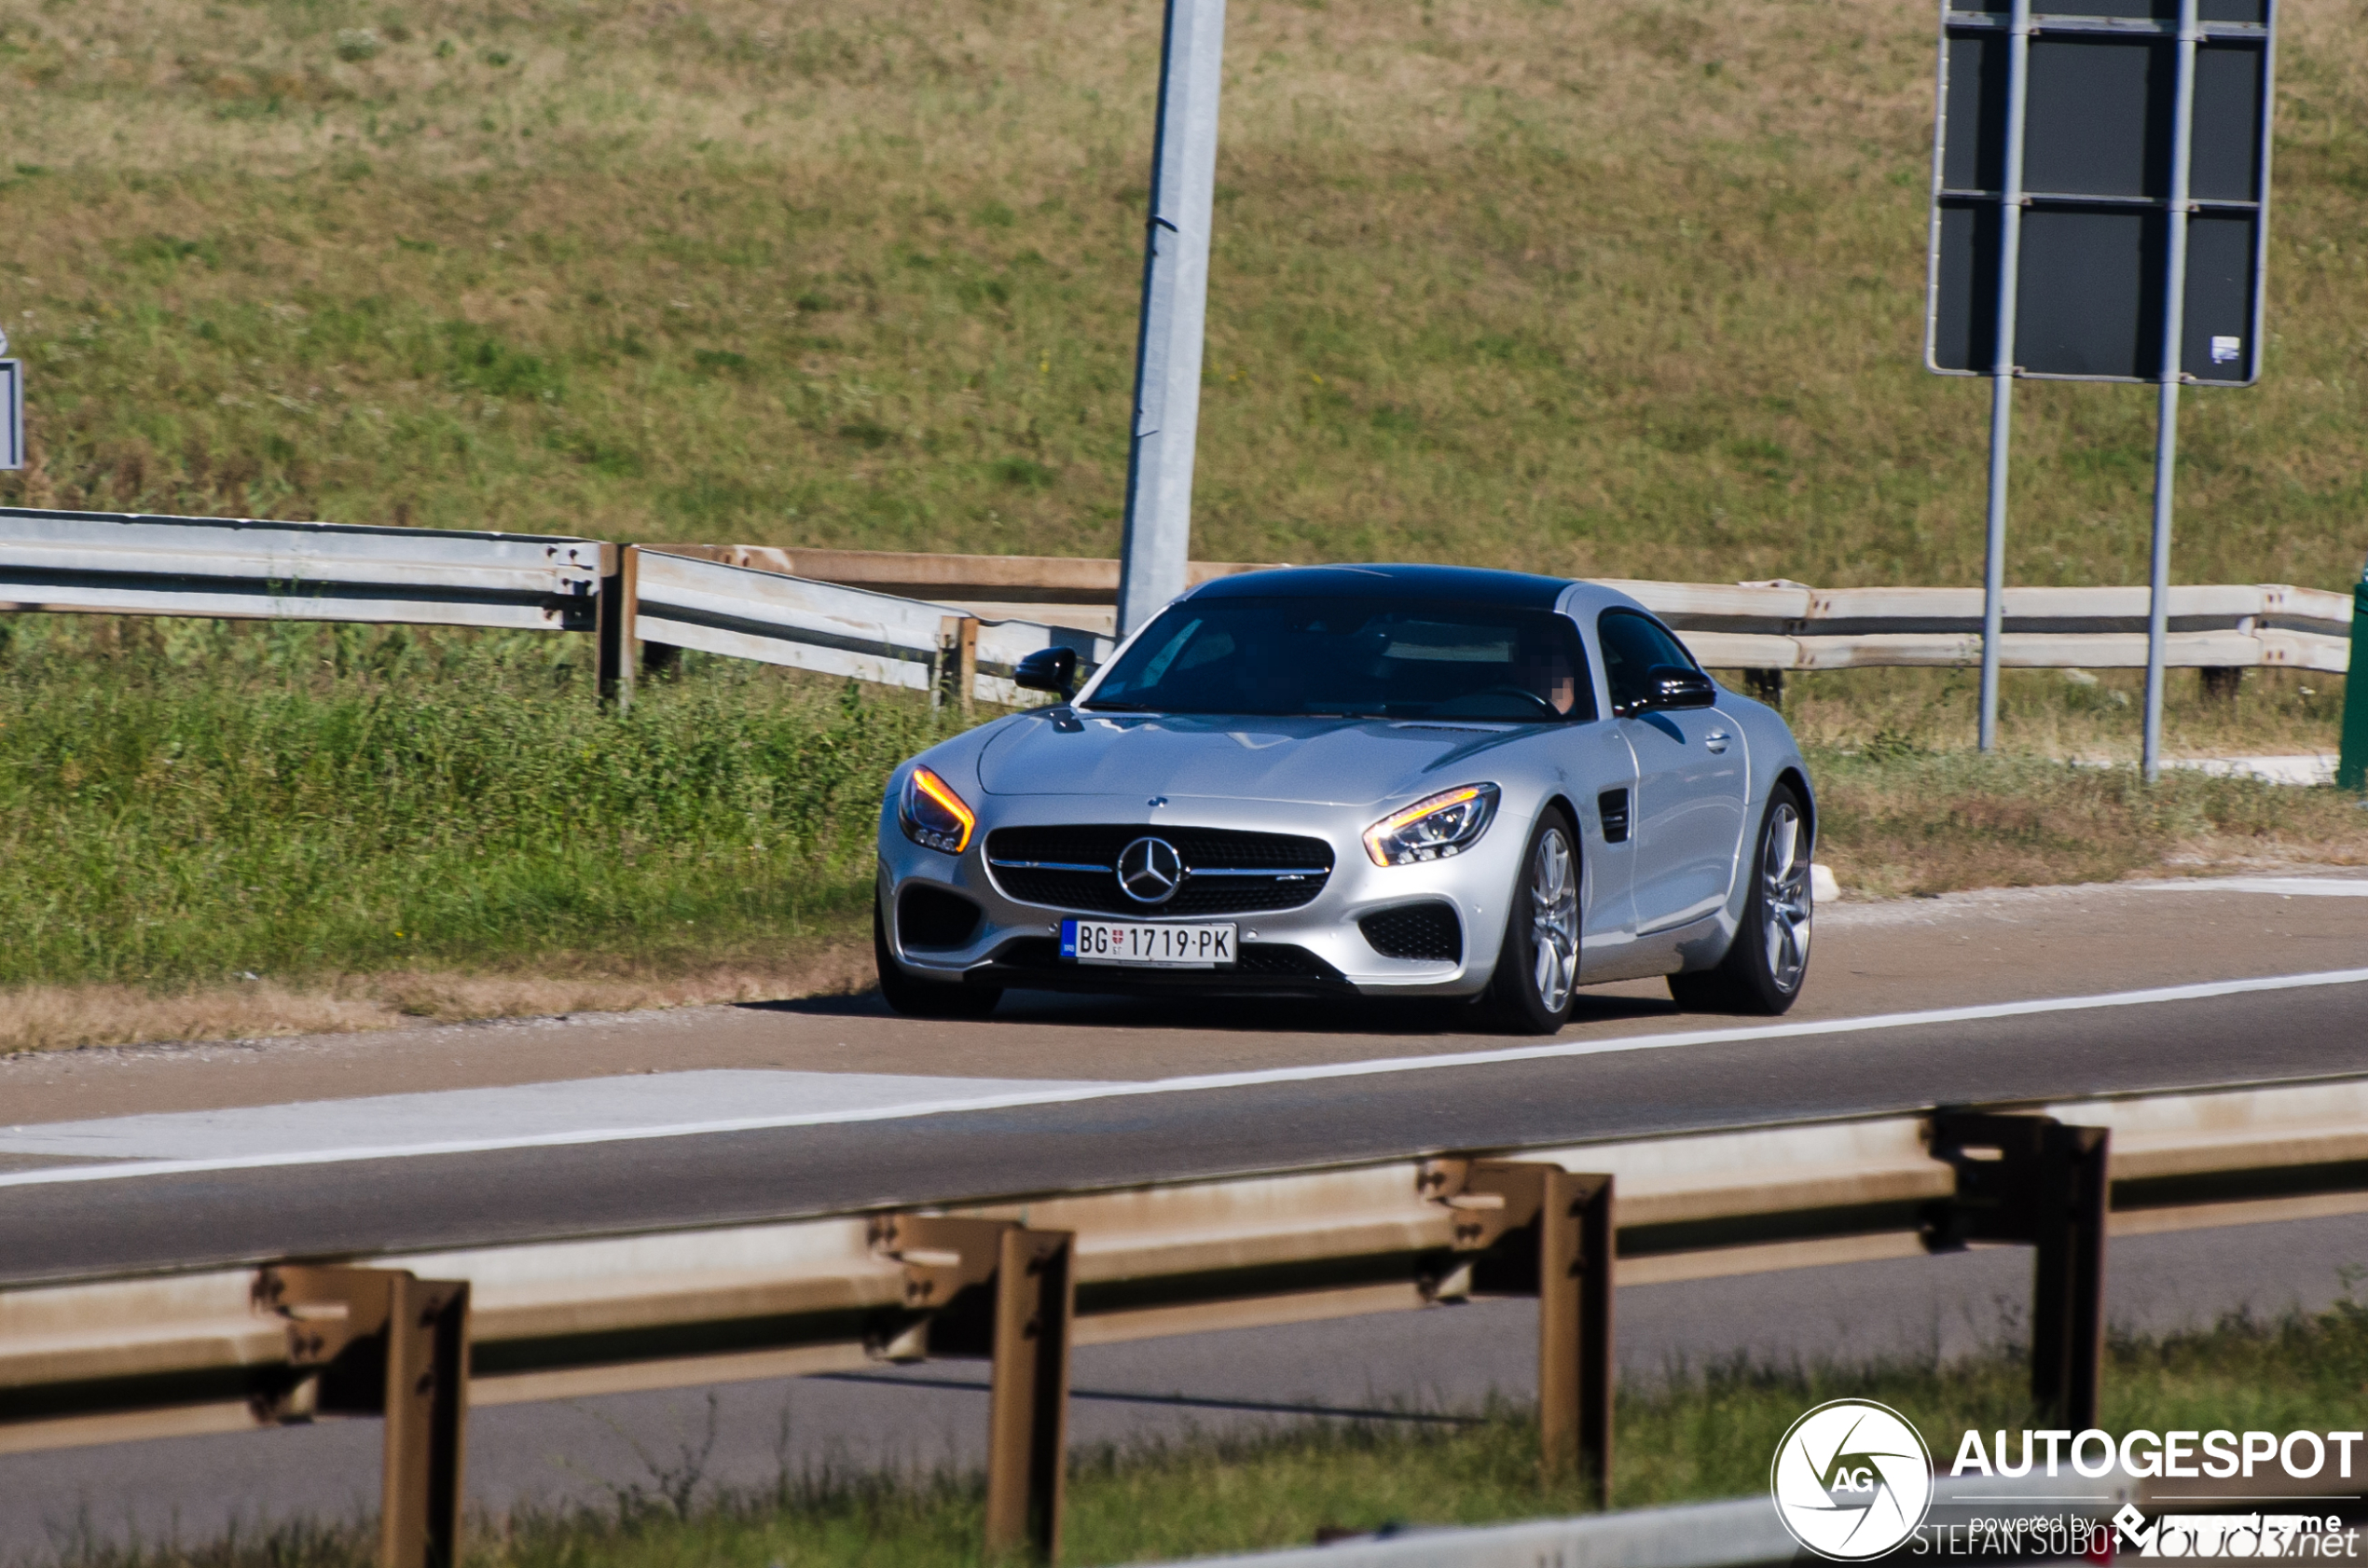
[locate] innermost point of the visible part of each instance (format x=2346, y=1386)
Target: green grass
x=1695, y=1438
x=1628, y=289
x=1623, y=289
x=187, y=802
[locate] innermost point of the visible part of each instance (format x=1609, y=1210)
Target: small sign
x=2227, y=350
x=12, y=413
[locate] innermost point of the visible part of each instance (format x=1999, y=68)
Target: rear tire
x=1537, y=975
x=925, y=998
x=1767, y=964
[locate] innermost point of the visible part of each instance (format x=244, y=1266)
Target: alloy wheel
x=1553, y=917
x=1785, y=897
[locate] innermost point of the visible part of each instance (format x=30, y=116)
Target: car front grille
x=1225, y=871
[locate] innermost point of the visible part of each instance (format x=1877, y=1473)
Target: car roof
x=1454, y=585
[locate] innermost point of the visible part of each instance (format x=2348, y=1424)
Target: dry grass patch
x=1902, y=822
x=65, y=1017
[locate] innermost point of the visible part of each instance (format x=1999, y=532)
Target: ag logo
x=1852, y=1479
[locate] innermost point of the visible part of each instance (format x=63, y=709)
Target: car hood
x=1343, y=762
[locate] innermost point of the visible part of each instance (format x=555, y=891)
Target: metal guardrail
x=1080, y=591
x=1784, y=625
x=1019, y=1279
x=1742, y=1533
x=136, y=564
x=1981, y=1518
x=956, y=625
x=744, y=607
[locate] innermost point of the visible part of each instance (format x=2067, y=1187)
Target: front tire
x=1537, y=975
x=925, y=998
x=1768, y=960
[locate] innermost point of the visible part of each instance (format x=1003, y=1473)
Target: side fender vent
x=1612, y=807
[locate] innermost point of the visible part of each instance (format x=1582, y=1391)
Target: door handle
x=1716, y=740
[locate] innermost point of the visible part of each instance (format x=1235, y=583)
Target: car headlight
x=1433, y=829
x=932, y=815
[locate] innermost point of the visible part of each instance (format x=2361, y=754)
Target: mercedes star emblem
x=1149, y=870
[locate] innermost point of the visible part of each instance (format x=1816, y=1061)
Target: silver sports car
x=1372, y=780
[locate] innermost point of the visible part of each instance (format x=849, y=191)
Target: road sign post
x=2182, y=139
x=2001, y=369
x=2100, y=188
x=1167, y=355
x=12, y=411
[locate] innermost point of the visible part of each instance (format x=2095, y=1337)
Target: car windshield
x=1354, y=658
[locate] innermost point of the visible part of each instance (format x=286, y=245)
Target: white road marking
x=2291, y=886
x=501, y=1114
x=1037, y=1094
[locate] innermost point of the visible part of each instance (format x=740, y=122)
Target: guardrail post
x=613, y=623
x=384, y=1343
x=966, y=661
x=1545, y=1231
x=2352, y=771
x=995, y=1288
x=1027, y=1408
x=2033, y=1180
x=1575, y=1330
x=957, y=674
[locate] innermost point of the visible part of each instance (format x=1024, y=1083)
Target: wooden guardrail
x=1020, y=1279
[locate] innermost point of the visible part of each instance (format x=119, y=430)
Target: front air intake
x=1426, y=931
x=932, y=920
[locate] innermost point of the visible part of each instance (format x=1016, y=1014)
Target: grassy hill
x=1627, y=288
x=1620, y=288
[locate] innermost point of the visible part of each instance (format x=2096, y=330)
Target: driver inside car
x=1547, y=675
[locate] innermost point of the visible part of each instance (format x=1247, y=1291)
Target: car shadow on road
x=1262, y=1015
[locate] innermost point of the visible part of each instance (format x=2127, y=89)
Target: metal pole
x=1168, y=355
x=2002, y=385
x=2166, y=416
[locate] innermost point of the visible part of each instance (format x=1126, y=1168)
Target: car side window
x=1632, y=644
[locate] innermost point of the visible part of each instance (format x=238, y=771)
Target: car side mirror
x=1048, y=669
x=1672, y=687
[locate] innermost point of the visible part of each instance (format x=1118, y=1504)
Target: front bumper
x=1316, y=949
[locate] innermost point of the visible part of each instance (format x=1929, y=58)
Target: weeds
x=192, y=802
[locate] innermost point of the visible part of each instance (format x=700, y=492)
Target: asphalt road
x=179, y=1156
x=1603, y=1088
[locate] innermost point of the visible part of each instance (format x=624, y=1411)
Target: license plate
x=1118, y=941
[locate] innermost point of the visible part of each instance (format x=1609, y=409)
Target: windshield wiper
x=1102, y=707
